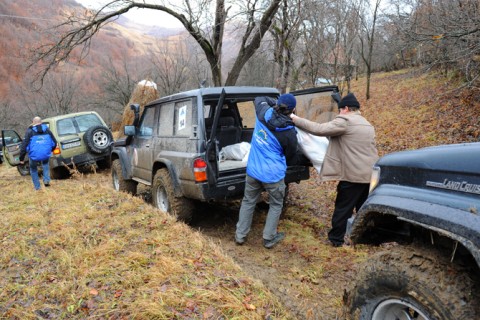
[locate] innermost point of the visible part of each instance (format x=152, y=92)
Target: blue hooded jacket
x=274, y=143
x=39, y=142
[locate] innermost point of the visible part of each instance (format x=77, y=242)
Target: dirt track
x=306, y=274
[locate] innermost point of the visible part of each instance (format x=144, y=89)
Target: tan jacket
x=351, y=152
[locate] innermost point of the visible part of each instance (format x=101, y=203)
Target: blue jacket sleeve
x=25, y=143
x=262, y=104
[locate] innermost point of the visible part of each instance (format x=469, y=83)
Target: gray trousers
x=253, y=189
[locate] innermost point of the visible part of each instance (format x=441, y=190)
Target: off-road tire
x=119, y=183
x=59, y=173
x=98, y=139
x=416, y=278
x=164, y=197
x=24, y=169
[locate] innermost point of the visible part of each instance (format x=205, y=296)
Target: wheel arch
x=167, y=164
x=121, y=154
x=384, y=225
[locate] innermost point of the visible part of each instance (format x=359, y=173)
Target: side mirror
x=136, y=112
x=135, y=107
x=129, y=130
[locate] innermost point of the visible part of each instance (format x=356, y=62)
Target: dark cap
x=288, y=100
x=349, y=101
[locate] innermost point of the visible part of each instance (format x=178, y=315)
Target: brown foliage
x=141, y=95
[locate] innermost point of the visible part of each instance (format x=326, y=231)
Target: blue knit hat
x=288, y=100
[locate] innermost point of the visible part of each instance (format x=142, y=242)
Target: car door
x=143, y=148
x=11, y=146
x=316, y=104
x=211, y=151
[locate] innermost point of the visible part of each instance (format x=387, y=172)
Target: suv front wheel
x=119, y=183
x=411, y=283
x=164, y=197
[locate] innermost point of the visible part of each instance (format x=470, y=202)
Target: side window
x=146, y=127
x=66, y=126
x=182, y=126
x=85, y=122
x=166, y=120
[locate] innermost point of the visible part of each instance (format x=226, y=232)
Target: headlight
x=374, y=178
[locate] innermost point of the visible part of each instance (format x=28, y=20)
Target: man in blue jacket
x=39, y=143
x=273, y=147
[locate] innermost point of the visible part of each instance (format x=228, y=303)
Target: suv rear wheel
x=23, y=169
x=119, y=183
x=98, y=139
x=164, y=197
x=411, y=283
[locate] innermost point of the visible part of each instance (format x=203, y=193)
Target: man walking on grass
x=39, y=143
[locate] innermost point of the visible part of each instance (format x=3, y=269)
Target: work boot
x=276, y=239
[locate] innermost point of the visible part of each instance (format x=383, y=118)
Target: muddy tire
x=164, y=197
x=98, y=139
x=119, y=183
x=411, y=283
x=23, y=169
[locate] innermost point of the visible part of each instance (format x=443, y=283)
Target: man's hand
x=22, y=162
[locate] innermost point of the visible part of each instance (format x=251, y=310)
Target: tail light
x=56, y=151
x=200, y=170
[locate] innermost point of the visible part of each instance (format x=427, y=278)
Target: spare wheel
x=98, y=139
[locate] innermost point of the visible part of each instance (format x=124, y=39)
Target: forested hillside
x=26, y=26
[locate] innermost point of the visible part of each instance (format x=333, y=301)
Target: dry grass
x=79, y=250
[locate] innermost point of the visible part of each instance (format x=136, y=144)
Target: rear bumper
x=233, y=187
x=80, y=160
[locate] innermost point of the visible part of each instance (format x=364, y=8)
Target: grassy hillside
x=411, y=110
x=79, y=250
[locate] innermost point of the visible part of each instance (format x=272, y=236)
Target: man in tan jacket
x=350, y=156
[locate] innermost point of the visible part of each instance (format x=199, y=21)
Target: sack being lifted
x=313, y=147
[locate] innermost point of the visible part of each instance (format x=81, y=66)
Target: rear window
x=77, y=124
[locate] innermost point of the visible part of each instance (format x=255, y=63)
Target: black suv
x=424, y=209
x=175, y=146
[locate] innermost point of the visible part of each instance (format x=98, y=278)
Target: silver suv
x=176, y=145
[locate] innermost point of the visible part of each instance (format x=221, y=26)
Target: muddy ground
x=304, y=271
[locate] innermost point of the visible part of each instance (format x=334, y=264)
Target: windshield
x=77, y=124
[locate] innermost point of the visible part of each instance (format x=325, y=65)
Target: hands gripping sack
x=313, y=147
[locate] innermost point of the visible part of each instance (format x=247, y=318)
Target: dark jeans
x=349, y=196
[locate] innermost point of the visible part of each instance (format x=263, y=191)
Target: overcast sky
x=141, y=16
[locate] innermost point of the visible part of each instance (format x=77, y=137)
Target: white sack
x=313, y=147
x=238, y=151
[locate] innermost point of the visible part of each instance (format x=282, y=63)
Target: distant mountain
x=155, y=31
x=26, y=25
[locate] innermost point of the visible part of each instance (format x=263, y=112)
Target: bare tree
x=78, y=31
x=171, y=65
x=116, y=84
x=9, y=117
x=366, y=44
x=442, y=34
x=285, y=32
x=59, y=95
